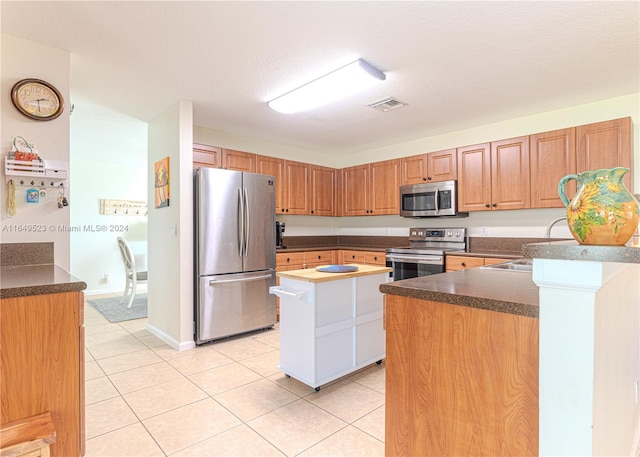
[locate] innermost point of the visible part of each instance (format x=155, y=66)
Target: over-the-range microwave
x=430, y=200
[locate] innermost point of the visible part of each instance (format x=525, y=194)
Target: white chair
x=133, y=276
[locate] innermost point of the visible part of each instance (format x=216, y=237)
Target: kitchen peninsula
x=42, y=344
x=486, y=362
x=330, y=323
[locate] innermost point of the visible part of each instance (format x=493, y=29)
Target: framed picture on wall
x=161, y=174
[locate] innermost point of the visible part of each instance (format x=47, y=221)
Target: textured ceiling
x=457, y=64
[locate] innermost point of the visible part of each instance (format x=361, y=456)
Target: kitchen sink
x=525, y=265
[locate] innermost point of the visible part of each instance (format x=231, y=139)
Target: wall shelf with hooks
x=41, y=173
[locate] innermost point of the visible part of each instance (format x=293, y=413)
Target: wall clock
x=37, y=99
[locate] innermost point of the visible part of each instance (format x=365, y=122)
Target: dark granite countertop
x=25, y=280
x=571, y=250
x=487, y=254
x=494, y=290
x=496, y=247
x=330, y=248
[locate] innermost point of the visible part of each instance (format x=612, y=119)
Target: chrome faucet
x=551, y=224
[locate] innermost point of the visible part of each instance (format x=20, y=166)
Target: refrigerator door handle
x=246, y=222
x=240, y=223
x=213, y=282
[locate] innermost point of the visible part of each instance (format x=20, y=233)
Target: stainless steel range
x=425, y=253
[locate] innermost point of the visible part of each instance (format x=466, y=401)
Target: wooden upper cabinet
x=431, y=167
x=275, y=167
x=384, y=187
x=323, y=191
x=206, y=156
x=604, y=145
x=214, y=157
x=515, y=173
x=301, y=188
x=414, y=169
x=297, y=188
x=474, y=178
x=442, y=165
x=510, y=188
x=238, y=160
x=552, y=156
x=494, y=176
x=371, y=189
x=355, y=182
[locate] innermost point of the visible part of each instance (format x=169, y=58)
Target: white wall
x=25, y=59
x=108, y=161
x=170, y=285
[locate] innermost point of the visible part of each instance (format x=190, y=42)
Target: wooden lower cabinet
x=375, y=258
x=365, y=257
x=459, y=262
x=459, y=380
x=42, y=368
x=347, y=256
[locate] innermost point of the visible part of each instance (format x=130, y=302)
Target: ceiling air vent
x=387, y=104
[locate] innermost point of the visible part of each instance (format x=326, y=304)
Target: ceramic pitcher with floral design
x=602, y=211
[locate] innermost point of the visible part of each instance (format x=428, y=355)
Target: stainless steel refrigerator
x=235, y=252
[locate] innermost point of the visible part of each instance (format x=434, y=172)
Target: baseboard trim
x=175, y=344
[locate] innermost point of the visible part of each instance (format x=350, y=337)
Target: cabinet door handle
x=487, y=205
x=463, y=264
x=311, y=211
x=494, y=205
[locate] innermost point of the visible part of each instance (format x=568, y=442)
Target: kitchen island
x=462, y=364
x=330, y=323
x=42, y=345
x=485, y=362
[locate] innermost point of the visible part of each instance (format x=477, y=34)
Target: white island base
x=331, y=324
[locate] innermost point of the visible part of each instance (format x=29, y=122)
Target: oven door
x=406, y=266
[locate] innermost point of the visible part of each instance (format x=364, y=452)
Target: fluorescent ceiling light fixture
x=354, y=77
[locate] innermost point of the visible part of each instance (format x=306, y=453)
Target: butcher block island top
x=312, y=275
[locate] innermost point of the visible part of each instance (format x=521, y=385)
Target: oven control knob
x=449, y=234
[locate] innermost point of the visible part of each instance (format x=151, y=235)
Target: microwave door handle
x=436, y=201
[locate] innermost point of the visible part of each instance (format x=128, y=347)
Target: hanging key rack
x=42, y=173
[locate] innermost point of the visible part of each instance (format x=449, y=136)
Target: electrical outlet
x=484, y=230
x=106, y=277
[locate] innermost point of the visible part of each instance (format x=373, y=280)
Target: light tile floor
x=143, y=398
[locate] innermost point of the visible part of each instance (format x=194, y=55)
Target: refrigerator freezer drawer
x=235, y=303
